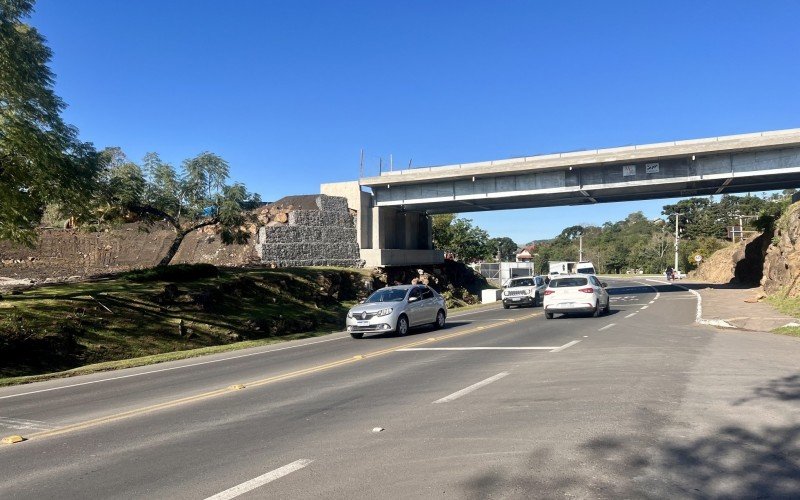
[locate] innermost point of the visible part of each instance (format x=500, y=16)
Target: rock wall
x=319, y=231
x=325, y=236
x=782, y=264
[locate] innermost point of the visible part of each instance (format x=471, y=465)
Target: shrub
x=179, y=272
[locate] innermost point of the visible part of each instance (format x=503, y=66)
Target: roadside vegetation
x=635, y=244
x=787, y=305
x=167, y=309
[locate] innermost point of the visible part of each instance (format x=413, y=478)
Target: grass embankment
x=144, y=317
x=790, y=306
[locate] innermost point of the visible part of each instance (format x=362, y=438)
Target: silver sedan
x=396, y=309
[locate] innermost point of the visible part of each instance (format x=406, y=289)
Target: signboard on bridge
x=651, y=168
x=628, y=170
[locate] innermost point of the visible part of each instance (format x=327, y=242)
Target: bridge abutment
x=387, y=236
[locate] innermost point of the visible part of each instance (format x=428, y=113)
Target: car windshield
x=565, y=282
x=586, y=270
x=387, y=295
x=521, y=282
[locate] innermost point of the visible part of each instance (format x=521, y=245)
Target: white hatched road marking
x=471, y=388
x=260, y=480
x=20, y=424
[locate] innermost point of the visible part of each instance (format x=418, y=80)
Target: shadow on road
x=734, y=461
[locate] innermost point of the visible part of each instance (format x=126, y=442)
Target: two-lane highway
x=500, y=403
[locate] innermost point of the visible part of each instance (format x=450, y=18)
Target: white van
x=585, y=268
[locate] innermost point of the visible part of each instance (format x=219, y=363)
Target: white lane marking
x=475, y=349
x=630, y=315
x=699, y=314
x=565, y=346
x=160, y=370
x=150, y=372
x=606, y=327
x=471, y=388
x=644, y=307
x=260, y=480
x=652, y=302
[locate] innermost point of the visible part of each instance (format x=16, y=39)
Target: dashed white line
x=471, y=388
x=644, y=307
x=477, y=349
x=260, y=480
x=630, y=315
x=565, y=346
x=607, y=327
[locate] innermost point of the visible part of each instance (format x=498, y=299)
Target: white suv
x=575, y=293
x=524, y=291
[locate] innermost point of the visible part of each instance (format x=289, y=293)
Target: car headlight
x=384, y=312
x=350, y=314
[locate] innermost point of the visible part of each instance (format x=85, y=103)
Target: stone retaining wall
x=323, y=237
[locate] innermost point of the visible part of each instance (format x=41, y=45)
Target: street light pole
x=677, y=237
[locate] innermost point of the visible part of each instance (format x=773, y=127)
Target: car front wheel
x=440, y=319
x=402, y=326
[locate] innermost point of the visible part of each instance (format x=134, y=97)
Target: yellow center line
x=265, y=381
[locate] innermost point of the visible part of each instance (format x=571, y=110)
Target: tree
x=458, y=236
x=503, y=248
x=199, y=197
x=41, y=159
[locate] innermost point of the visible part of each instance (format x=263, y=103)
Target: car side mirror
x=362, y=301
x=604, y=284
x=413, y=299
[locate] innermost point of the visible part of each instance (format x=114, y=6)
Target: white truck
x=571, y=267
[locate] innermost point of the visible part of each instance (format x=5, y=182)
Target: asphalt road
x=501, y=403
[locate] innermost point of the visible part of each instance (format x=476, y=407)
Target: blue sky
x=290, y=91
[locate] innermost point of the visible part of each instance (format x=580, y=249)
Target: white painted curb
x=720, y=323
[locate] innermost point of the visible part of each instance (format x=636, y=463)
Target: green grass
x=786, y=305
x=789, y=306
x=793, y=331
x=150, y=316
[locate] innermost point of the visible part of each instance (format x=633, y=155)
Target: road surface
x=501, y=403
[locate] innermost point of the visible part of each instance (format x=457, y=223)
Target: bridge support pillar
x=388, y=236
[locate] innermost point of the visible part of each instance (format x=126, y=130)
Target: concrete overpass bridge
x=394, y=228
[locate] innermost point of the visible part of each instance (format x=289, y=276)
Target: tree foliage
x=503, y=249
x=637, y=243
x=41, y=159
x=460, y=238
x=196, y=196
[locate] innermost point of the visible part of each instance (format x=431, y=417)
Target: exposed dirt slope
x=719, y=267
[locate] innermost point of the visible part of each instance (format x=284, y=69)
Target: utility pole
x=580, y=247
x=677, y=237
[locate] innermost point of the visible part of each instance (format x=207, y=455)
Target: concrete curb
x=719, y=323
